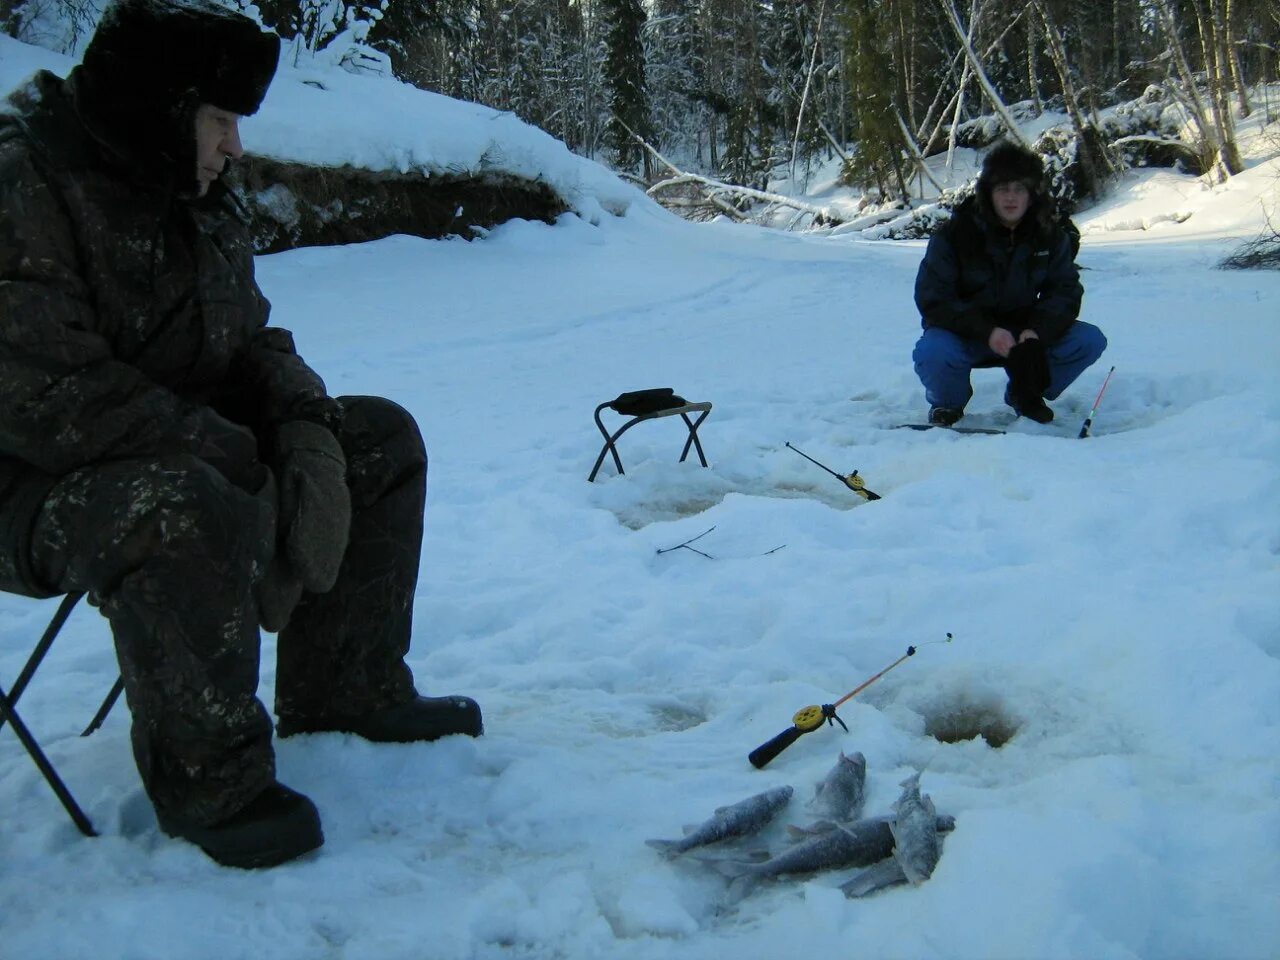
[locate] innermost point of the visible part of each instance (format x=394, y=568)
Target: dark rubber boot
x=278, y=825
x=417, y=720
x=1038, y=411
x=1033, y=408
x=944, y=416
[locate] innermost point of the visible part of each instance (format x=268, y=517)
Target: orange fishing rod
x=810, y=718
x=1088, y=421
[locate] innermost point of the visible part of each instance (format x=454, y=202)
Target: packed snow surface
x=1114, y=602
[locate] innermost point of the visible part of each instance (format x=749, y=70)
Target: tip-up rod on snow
x=1088, y=421
x=810, y=718
x=851, y=480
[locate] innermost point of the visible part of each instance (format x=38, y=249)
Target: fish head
x=855, y=760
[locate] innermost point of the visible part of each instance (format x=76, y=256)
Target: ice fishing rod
x=1088, y=421
x=810, y=718
x=852, y=481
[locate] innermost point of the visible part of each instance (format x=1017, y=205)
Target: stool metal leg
x=607, y=448
x=41, y=648
x=610, y=443
x=46, y=768
x=693, y=436
x=9, y=714
x=108, y=702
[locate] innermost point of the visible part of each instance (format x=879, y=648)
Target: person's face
x=1011, y=201
x=217, y=140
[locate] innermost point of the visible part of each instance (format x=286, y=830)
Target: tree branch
x=992, y=96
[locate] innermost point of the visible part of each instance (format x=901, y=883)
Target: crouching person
x=165, y=451
x=999, y=286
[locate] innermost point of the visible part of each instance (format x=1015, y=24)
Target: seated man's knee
x=103, y=521
x=181, y=500
x=378, y=428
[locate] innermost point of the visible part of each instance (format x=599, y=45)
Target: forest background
x=753, y=91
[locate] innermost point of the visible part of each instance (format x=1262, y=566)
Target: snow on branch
x=984, y=81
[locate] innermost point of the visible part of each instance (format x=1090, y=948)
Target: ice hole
x=970, y=719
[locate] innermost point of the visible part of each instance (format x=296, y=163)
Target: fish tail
x=741, y=887
x=668, y=848
x=733, y=870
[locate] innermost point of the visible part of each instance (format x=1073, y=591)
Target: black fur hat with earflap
x=151, y=63
x=1009, y=162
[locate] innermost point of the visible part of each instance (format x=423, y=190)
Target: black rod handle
x=767, y=751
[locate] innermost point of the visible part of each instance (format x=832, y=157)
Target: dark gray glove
x=315, y=504
x=278, y=591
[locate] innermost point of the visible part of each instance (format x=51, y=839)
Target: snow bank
x=329, y=117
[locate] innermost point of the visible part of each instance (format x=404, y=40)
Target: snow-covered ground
x=1115, y=603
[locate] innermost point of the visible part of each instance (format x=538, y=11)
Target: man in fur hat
x=999, y=286
x=165, y=451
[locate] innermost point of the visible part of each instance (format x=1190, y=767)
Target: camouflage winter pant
x=169, y=551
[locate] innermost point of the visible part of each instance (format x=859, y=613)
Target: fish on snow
x=843, y=792
x=857, y=844
x=739, y=820
x=915, y=832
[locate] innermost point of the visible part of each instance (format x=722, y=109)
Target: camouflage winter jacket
x=131, y=325
x=977, y=275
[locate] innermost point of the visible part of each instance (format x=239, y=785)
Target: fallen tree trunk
x=713, y=188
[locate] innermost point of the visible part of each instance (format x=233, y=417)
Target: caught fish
x=878, y=876
x=915, y=832
x=857, y=844
x=916, y=846
x=739, y=820
x=842, y=793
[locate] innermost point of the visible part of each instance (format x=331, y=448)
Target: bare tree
x=975, y=64
x=808, y=83
x=1217, y=134
x=1233, y=53
x=1092, y=152
x=58, y=24
x=1215, y=36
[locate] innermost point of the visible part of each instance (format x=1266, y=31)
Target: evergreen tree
x=746, y=125
x=426, y=40
x=877, y=160
x=624, y=75
x=675, y=73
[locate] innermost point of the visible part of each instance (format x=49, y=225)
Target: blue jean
x=943, y=361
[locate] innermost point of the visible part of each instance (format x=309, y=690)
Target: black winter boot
x=417, y=720
x=1037, y=410
x=278, y=825
x=944, y=416
x=1033, y=408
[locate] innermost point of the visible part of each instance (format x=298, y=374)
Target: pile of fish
x=901, y=847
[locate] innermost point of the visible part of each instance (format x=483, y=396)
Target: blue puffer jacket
x=977, y=275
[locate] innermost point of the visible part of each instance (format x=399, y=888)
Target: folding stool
x=9, y=713
x=641, y=405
